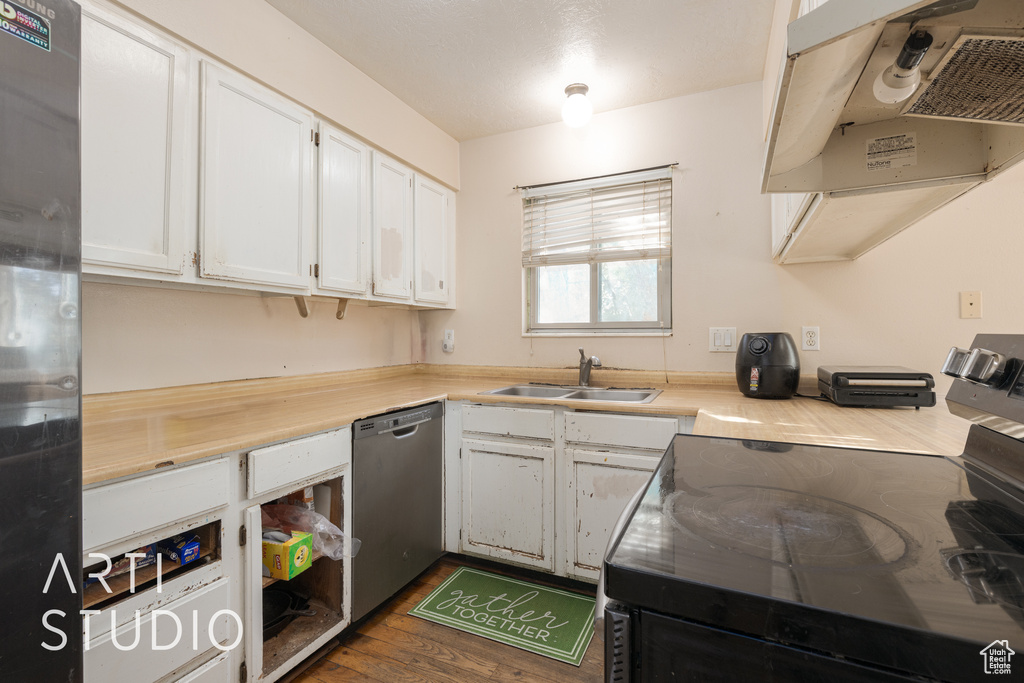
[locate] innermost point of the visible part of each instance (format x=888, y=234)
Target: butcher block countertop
x=132, y=432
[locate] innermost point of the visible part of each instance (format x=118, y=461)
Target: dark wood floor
x=393, y=647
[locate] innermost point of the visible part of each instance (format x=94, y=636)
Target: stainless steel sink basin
x=630, y=395
x=532, y=390
x=577, y=393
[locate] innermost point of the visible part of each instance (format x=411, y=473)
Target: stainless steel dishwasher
x=397, y=465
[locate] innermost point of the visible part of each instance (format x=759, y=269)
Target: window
x=597, y=254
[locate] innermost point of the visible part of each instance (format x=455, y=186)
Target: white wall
x=143, y=337
x=897, y=305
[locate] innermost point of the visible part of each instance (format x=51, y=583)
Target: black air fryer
x=767, y=365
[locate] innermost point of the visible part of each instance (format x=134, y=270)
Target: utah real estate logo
x=997, y=657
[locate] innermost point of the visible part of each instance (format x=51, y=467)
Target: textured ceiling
x=481, y=67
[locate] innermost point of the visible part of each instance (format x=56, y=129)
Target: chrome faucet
x=586, y=364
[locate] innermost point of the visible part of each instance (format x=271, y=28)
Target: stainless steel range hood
x=963, y=124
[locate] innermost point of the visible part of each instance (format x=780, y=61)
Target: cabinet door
x=344, y=226
x=430, y=270
x=508, y=501
x=787, y=210
x=252, y=590
x=602, y=485
x=256, y=215
x=392, y=228
x=134, y=105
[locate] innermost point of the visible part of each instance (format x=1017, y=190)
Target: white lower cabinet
x=544, y=486
x=508, y=501
x=217, y=670
x=321, y=461
x=182, y=491
x=159, y=641
x=203, y=622
x=609, y=458
x=602, y=484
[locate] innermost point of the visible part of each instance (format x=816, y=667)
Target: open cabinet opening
x=298, y=611
x=154, y=563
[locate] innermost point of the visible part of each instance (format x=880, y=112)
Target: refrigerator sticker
x=21, y=23
x=894, y=151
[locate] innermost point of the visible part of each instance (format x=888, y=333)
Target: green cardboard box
x=290, y=558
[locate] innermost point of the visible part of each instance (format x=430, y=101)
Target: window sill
x=599, y=333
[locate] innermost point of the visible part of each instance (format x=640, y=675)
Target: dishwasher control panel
x=397, y=420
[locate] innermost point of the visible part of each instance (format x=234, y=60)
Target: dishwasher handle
x=406, y=429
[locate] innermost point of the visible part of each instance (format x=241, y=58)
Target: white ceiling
x=481, y=67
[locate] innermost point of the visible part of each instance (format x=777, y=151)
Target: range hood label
x=893, y=151
x=30, y=27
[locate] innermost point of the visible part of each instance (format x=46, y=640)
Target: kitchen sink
x=577, y=393
x=630, y=395
x=531, y=390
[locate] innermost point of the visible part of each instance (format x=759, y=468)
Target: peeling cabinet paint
x=605, y=482
x=508, y=501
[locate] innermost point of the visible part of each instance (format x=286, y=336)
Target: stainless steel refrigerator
x=40, y=342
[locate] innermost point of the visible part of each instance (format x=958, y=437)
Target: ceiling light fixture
x=577, y=108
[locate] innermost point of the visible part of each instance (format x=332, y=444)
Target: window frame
x=661, y=327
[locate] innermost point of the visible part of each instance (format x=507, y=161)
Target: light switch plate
x=722, y=339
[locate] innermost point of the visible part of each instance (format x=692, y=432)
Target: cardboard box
x=181, y=548
x=290, y=558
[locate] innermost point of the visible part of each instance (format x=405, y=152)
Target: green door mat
x=551, y=622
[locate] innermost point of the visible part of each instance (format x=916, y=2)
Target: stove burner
x=788, y=528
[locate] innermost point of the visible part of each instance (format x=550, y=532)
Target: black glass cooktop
x=906, y=561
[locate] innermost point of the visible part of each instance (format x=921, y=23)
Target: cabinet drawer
x=528, y=423
x=105, y=661
x=628, y=431
x=217, y=670
x=128, y=508
x=294, y=461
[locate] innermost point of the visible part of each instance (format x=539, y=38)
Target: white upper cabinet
x=433, y=204
x=343, y=259
x=787, y=210
x=256, y=190
x=135, y=148
x=392, y=228
x=194, y=174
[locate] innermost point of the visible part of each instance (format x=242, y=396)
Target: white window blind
x=615, y=218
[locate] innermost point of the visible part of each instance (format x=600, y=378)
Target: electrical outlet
x=448, y=344
x=970, y=304
x=722, y=339
x=811, y=339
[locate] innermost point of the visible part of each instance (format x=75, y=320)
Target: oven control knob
x=954, y=364
x=983, y=366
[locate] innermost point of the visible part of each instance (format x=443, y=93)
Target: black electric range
x=769, y=561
